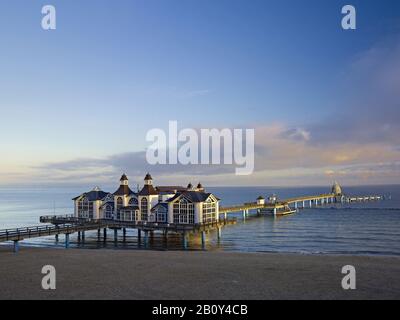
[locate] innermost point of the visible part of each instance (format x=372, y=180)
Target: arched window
x=120, y=203
x=161, y=214
x=133, y=202
x=109, y=212
x=144, y=207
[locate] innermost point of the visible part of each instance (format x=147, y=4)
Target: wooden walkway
x=282, y=207
x=42, y=231
x=273, y=207
x=69, y=224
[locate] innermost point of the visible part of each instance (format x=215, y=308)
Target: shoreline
x=288, y=253
x=200, y=275
x=131, y=249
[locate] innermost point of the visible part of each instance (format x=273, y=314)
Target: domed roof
x=199, y=186
x=189, y=186
x=148, y=177
x=123, y=177
x=336, y=189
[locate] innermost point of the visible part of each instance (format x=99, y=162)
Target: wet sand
x=130, y=274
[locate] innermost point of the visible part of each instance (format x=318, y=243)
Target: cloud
x=368, y=107
x=282, y=154
x=297, y=134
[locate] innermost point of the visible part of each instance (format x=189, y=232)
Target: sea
x=365, y=228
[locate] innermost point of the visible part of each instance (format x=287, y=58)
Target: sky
x=76, y=102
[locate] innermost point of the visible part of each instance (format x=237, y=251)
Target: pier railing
x=144, y=225
x=34, y=232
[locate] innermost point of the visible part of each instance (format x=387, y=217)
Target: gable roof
x=160, y=204
x=107, y=204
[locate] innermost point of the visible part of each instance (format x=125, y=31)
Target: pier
x=292, y=205
x=70, y=224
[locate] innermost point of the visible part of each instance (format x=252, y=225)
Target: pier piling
x=203, y=240
x=66, y=240
x=165, y=236
x=184, y=240
x=16, y=246
x=105, y=234
x=146, y=238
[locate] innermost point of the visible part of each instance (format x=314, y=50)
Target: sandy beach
x=123, y=274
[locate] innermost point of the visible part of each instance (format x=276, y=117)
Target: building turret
x=124, y=180
x=337, y=189
x=148, y=180
x=189, y=187
x=148, y=197
x=200, y=187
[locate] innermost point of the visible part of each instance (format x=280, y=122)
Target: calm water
x=371, y=228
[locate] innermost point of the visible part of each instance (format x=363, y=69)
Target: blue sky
x=88, y=92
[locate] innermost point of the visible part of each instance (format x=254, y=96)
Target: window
x=120, y=203
x=85, y=209
x=209, y=211
x=129, y=215
x=183, y=212
x=133, y=202
x=108, y=212
x=161, y=214
x=144, y=208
